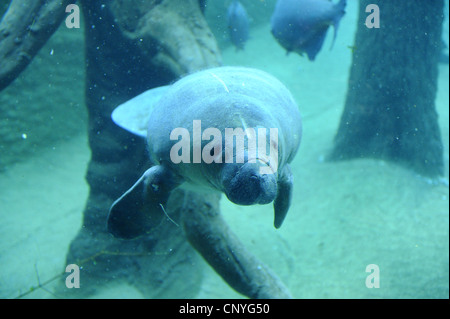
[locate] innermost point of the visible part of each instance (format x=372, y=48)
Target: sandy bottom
x=344, y=216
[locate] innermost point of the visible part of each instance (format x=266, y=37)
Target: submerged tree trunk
x=390, y=111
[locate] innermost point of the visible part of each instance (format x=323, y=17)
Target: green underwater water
x=344, y=216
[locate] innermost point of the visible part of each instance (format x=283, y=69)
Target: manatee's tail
x=339, y=11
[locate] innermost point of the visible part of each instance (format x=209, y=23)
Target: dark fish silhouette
x=237, y=24
x=301, y=25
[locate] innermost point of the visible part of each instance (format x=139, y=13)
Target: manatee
x=238, y=24
x=301, y=25
x=227, y=129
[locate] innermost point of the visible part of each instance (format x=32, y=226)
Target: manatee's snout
x=245, y=185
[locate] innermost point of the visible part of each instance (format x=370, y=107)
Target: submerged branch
x=24, y=29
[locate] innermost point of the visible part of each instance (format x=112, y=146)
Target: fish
x=238, y=24
x=301, y=25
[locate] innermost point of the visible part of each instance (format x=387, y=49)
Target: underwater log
x=212, y=238
x=390, y=105
x=24, y=29
x=123, y=58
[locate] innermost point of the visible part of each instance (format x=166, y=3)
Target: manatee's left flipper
x=139, y=209
x=284, y=195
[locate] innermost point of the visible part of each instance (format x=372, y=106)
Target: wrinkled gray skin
x=301, y=25
x=224, y=97
x=238, y=24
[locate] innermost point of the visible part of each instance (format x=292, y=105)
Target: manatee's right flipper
x=139, y=209
x=284, y=195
